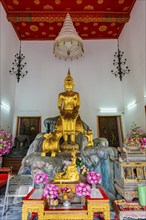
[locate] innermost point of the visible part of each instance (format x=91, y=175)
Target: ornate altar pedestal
x=129, y=210
x=34, y=202
x=129, y=174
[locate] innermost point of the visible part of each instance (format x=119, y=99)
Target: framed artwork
x=28, y=125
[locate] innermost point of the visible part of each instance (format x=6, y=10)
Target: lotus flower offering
x=6, y=142
x=83, y=189
x=94, y=177
x=50, y=191
x=41, y=178
x=143, y=142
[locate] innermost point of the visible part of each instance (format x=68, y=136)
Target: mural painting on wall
x=29, y=126
x=108, y=128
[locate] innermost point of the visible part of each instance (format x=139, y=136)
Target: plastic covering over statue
x=66, y=133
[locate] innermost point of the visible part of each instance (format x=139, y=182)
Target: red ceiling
x=43, y=19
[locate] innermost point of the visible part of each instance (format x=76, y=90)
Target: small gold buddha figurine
x=71, y=174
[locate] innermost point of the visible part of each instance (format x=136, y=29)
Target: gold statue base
x=69, y=147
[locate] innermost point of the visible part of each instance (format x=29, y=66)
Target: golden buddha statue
x=69, y=103
x=68, y=124
x=71, y=174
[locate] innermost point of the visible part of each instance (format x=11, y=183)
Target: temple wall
x=37, y=93
x=9, y=45
x=133, y=43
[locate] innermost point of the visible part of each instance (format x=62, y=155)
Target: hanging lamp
x=68, y=44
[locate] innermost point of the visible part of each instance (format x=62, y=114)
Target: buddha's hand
x=62, y=112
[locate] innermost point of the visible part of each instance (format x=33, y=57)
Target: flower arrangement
x=6, y=142
x=83, y=189
x=135, y=132
x=65, y=189
x=82, y=168
x=93, y=177
x=50, y=191
x=135, y=136
x=41, y=178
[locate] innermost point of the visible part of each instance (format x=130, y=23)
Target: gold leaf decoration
x=93, y=32
x=108, y=9
x=23, y=24
x=48, y=7
x=52, y=35
x=126, y=8
x=59, y=24
x=100, y=1
x=41, y=24
x=121, y=1
x=85, y=28
x=36, y=2
x=44, y=33
x=95, y=24
x=33, y=28
x=113, y=24
x=51, y=28
x=15, y=2
x=77, y=24
x=102, y=28
x=110, y=32
x=27, y=33
x=89, y=7
x=84, y=35
x=79, y=2
x=57, y=2
x=10, y=7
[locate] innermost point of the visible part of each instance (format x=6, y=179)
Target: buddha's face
x=69, y=84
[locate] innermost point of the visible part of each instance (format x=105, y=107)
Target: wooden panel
x=14, y=162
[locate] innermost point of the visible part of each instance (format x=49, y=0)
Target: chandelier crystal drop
x=68, y=44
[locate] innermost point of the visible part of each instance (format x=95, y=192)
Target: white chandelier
x=68, y=44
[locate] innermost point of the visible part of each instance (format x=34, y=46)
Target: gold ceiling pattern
x=43, y=20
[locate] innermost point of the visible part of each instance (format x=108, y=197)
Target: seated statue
x=69, y=123
x=71, y=174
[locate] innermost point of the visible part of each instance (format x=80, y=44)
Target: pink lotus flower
x=83, y=189
x=41, y=178
x=6, y=142
x=93, y=177
x=50, y=191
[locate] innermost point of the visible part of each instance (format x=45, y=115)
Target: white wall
x=133, y=43
x=9, y=45
x=37, y=93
